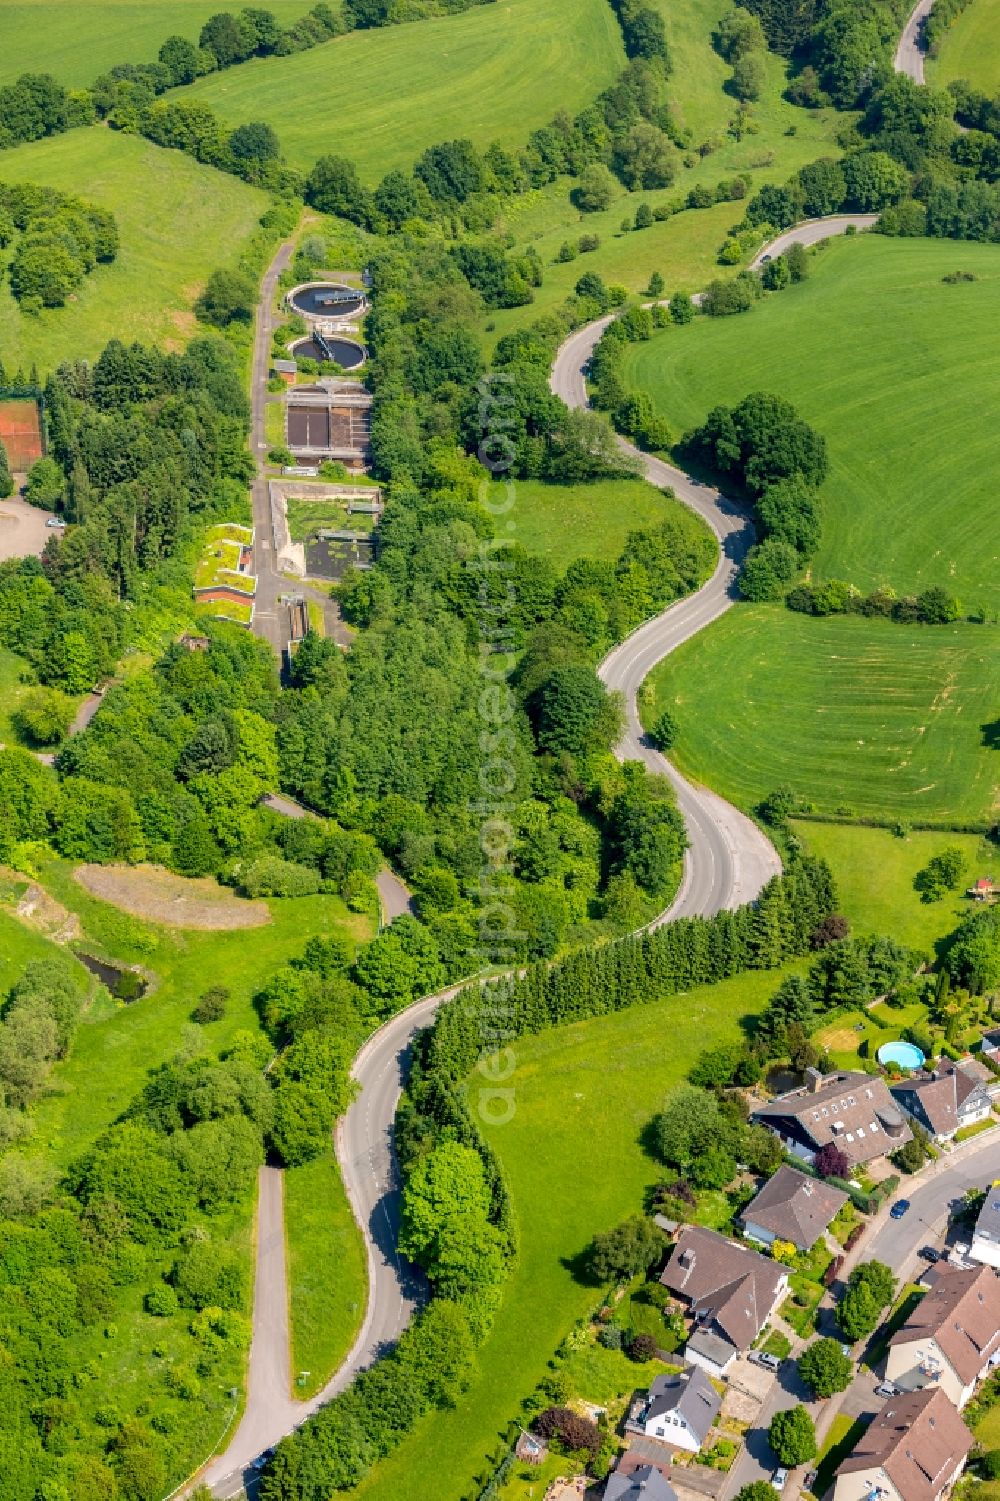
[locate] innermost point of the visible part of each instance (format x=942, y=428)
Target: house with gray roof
x=986, y=1236
x=680, y=1410
x=646, y=1483
x=943, y=1101
x=793, y=1207
x=732, y=1292
x=854, y=1111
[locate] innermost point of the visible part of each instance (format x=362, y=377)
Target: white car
x=780, y=1479
x=57, y=523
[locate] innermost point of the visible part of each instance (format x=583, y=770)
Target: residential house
x=952, y=1338
x=944, y=1101
x=732, y=1292
x=855, y=1111
x=986, y=1236
x=982, y=889
x=914, y=1450
x=646, y=1483
x=679, y=1410
x=792, y=1207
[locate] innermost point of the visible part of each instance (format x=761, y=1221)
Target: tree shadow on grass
x=990, y=733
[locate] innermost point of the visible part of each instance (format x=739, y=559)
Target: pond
x=124, y=983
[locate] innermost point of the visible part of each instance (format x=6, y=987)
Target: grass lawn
x=969, y=50
x=75, y=40
x=327, y=1272
x=565, y=522
x=988, y=1433
x=874, y=871
x=863, y=717
x=854, y=1036
x=909, y=500
x=576, y=1165
x=839, y=1442
x=149, y=291
x=381, y=96
x=112, y=1055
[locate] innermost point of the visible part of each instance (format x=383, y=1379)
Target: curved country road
x=727, y=864
x=909, y=57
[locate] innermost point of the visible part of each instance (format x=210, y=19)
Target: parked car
x=761, y=1357
x=886, y=1389
x=929, y=1254
x=779, y=1479
x=258, y=1464
x=57, y=523
x=899, y=1209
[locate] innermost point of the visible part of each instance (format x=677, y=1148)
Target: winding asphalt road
x=727, y=864
x=909, y=57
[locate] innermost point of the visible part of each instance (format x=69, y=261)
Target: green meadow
x=896, y=368
x=327, y=1272
x=149, y=291
x=875, y=869
x=381, y=96
x=683, y=248
x=969, y=49
x=565, y=522
x=861, y=717
x=75, y=40
x=576, y=1165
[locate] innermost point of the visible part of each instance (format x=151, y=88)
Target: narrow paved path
x=909, y=57
x=728, y=862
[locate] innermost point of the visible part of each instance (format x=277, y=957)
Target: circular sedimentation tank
x=347, y=353
x=326, y=299
x=903, y=1054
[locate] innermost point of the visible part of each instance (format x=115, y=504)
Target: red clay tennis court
x=21, y=433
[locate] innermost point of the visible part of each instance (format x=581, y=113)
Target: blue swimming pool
x=903, y=1054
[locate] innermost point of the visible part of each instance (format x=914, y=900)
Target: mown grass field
x=575, y=1163
x=564, y=522
x=969, y=49
x=149, y=291
x=327, y=1272
x=862, y=717
x=875, y=870
x=382, y=96
x=895, y=368
x=75, y=40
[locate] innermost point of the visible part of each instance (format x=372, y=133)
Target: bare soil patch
x=159, y=896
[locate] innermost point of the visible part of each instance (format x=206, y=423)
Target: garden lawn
x=969, y=51
x=988, y=1434
x=855, y=1036
x=149, y=291
x=113, y=1054
x=381, y=96
x=895, y=369
x=565, y=522
x=875, y=869
x=75, y=40
x=839, y=1442
x=327, y=1272
x=857, y=716
x=575, y=1163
